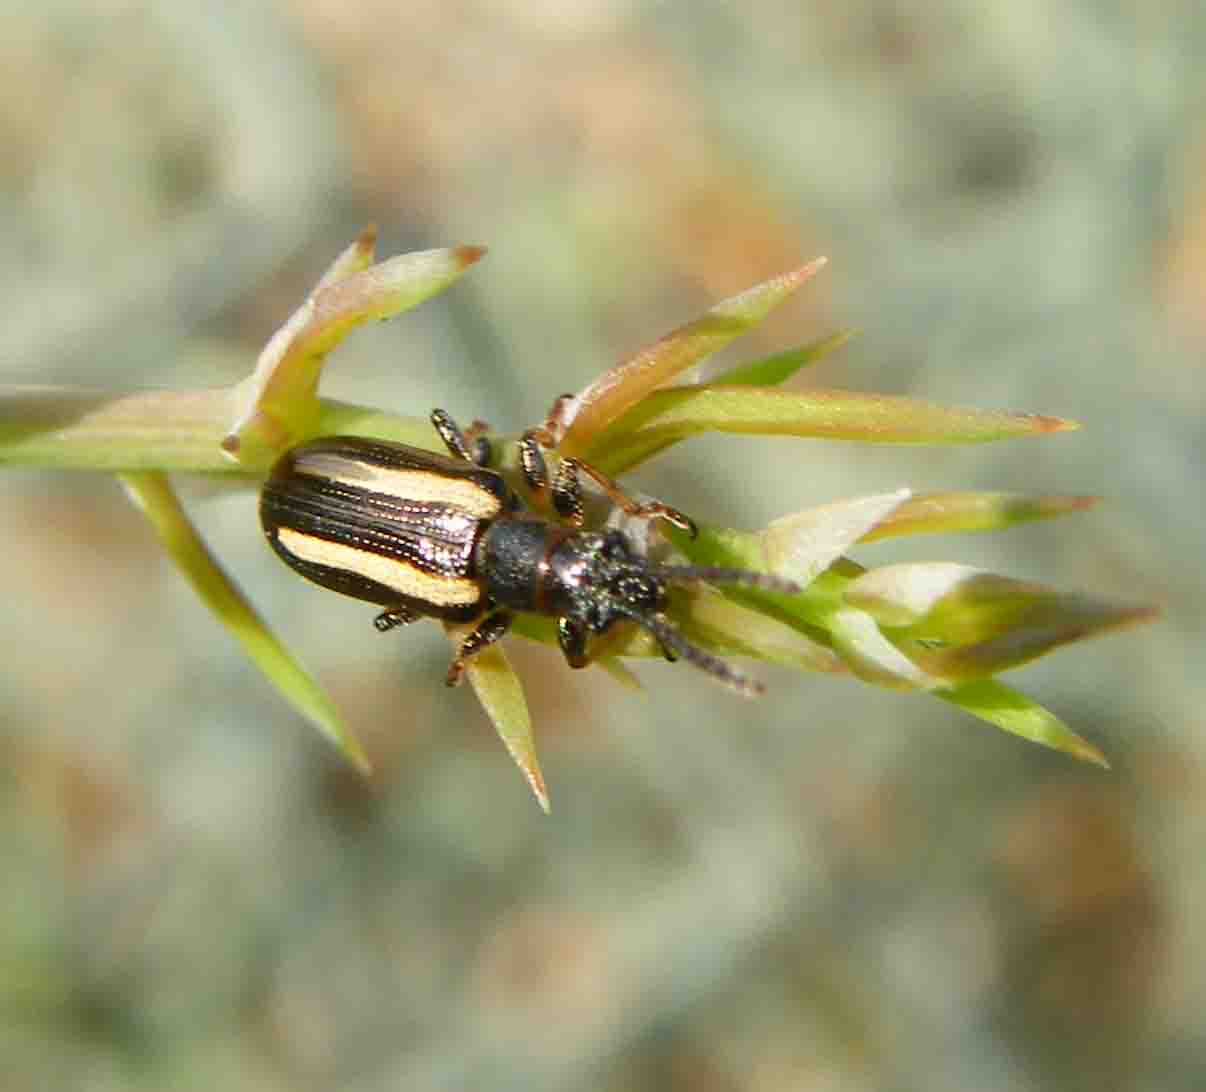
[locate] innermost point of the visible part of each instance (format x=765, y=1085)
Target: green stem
x=175, y=431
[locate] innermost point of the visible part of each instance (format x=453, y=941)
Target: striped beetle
x=443, y=536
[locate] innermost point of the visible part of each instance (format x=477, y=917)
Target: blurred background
x=835, y=889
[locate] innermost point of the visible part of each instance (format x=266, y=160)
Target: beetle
x=428, y=535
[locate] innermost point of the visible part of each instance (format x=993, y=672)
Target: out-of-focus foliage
x=839, y=886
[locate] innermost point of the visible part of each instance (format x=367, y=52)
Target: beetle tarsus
x=453, y=437
x=571, y=636
x=532, y=465
x=567, y=492
x=394, y=617
x=569, y=485
x=486, y=633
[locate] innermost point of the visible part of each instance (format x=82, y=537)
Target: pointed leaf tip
x=1043, y=423
x=1082, y=749
x=501, y=695
x=1013, y=712
x=468, y=253
x=151, y=492
x=620, y=388
x=941, y=513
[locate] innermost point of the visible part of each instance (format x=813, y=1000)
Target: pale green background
x=836, y=889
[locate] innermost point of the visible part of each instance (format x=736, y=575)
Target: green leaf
x=277, y=405
x=871, y=656
x=770, y=371
x=620, y=672
x=356, y=256
x=79, y=429
x=730, y=629
x=499, y=690
x=806, y=548
x=942, y=600
x=944, y=513
x=802, y=546
x=1015, y=713
x=153, y=494
x=667, y=416
x=957, y=622
x=620, y=388
x=347, y=419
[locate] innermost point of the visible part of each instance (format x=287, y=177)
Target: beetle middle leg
x=567, y=497
x=564, y=494
x=484, y=634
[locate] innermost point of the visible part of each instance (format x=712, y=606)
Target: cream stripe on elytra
x=398, y=575
x=420, y=486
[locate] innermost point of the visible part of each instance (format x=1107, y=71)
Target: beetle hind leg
x=394, y=617
x=484, y=634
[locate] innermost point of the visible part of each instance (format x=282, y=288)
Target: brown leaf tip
x=1086, y=752
x=467, y=254
x=1138, y=616
x=535, y=781
x=807, y=270
x=1043, y=423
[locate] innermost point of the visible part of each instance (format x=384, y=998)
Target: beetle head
x=602, y=579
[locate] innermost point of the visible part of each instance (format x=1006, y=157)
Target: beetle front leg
x=487, y=631
x=571, y=636
x=532, y=465
x=469, y=445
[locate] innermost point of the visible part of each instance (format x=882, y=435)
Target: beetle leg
x=454, y=439
x=479, y=446
x=567, y=492
x=395, y=616
x=487, y=631
x=571, y=636
x=565, y=495
x=571, y=469
x=531, y=463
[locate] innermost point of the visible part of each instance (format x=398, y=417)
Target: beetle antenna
x=714, y=574
x=671, y=638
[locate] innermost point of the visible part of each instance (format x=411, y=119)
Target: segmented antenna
x=672, y=639
x=714, y=574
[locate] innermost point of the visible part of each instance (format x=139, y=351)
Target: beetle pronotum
x=443, y=536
